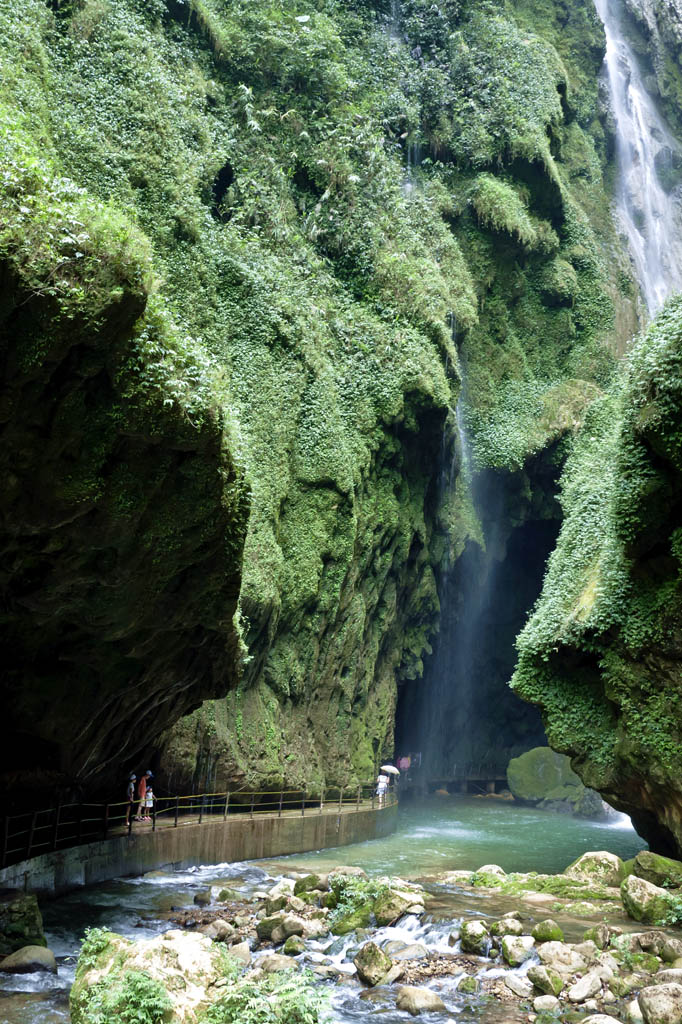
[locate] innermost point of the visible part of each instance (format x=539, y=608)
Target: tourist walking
x=382, y=787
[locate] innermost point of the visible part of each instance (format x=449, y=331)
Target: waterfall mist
x=462, y=714
x=649, y=206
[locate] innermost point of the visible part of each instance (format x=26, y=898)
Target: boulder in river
x=544, y=778
x=597, y=866
x=658, y=870
x=516, y=949
x=474, y=937
x=586, y=987
x=372, y=963
x=21, y=923
x=417, y=1000
x=546, y=979
x=547, y=931
x=644, y=901
x=29, y=959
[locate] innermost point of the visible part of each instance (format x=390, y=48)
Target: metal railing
x=72, y=824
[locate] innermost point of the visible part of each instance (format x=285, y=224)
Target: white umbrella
x=390, y=769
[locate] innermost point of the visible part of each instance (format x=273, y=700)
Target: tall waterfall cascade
x=651, y=216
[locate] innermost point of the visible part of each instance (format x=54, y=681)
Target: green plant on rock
x=286, y=997
x=131, y=998
x=351, y=893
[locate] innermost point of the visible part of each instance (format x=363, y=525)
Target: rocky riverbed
x=595, y=944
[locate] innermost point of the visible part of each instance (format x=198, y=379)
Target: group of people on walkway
x=145, y=795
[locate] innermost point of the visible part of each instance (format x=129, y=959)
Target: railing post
x=357, y=805
x=303, y=804
x=227, y=805
x=253, y=800
x=373, y=795
x=80, y=821
x=106, y=821
x=281, y=801
x=340, y=799
x=321, y=799
x=153, y=815
x=5, y=841
x=201, y=810
x=177, y=810
x=32, y=829
x=130, y=821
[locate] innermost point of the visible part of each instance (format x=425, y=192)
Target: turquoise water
x=435, y=835
x=457, y=832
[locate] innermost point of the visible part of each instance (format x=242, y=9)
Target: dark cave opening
x=462, y=716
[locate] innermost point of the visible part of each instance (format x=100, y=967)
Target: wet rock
x=372, y=963
x=468, y=985
x=561, y=957
x=474, y=937
x=507, y=926
x=546, y=979
x=356, y=919
x=669, y=974
x=661, y=1004
x=547, y=931
x=672, y=950
x=391, y=906
x=275, y=904
x=311, y=883
x=517, y=948
x=642, y=900
x=348, y=869
x=519, y=985
x=634, y=1013
x=293, y=925
x=545, y=1004
x=600, y=935
x=600, y=1018
x=588, y=950
x=242, y=952
x=275, y=962
x=492, y=869
x=202, y=899
x=29, y=959
x=267, y=925
x=586, y=987
x=396, y=972
x=652, y=942
x=415, y=951
x=418, y=1000
x=293, y=945
x=661, y=871
x=597, y=866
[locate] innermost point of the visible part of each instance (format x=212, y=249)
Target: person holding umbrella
x=386, y=770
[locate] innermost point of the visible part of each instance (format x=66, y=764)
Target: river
x=433, y=836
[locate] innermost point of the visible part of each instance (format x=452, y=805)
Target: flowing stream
x=431, y=837
x=645, y=147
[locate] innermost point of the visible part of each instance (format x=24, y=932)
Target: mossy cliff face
x=602, y=653
x=656, y=30
x=123, y=513
x=294, y=304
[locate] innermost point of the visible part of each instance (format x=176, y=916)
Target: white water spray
x=651, y=217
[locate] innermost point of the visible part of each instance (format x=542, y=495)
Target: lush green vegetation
x=286, y=997
x=602, y=648
x=242, y=169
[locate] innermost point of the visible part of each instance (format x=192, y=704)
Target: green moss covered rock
x=661, y=871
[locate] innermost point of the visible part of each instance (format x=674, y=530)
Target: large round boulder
x=644, y=901
x=598, y=866
x=658, y=870
x=661, y=1004
x=474, y=937
x=417, y=1000
x=29, y=959
x=517, y=948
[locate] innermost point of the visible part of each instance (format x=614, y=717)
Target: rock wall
x=601, y=654
x=309, y=224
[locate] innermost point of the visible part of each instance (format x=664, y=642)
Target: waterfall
x=651, y=217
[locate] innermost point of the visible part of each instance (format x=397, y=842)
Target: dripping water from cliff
x=462, y=717
x=649, y=203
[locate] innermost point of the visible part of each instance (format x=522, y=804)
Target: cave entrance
x=462, y=717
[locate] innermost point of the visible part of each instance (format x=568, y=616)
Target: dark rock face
x=21, y=923
x=121, y=529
